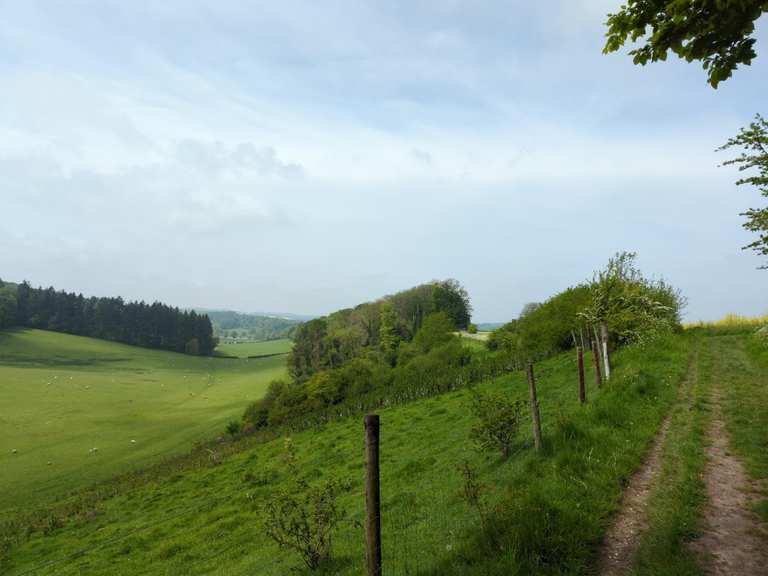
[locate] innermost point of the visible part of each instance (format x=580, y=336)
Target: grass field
x=737, y=363
x=61, y=396
x=549, y=509
x=246, y=349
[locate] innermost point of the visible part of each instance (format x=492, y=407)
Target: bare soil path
x=734, y=541
x=622, y=538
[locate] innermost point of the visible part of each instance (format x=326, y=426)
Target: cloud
x=421, y=156
x=265, y=160
x=221, y=154
x=219, y=159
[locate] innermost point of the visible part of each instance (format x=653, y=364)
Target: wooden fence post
x=606, y=358
x=596, y=355
x=534, y=408
x=580, y=363
x=372, y=495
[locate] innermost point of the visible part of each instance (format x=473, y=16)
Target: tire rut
x=734, y=541
x=622, y=538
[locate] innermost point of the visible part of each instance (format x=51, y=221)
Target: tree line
x=393, y=350
x=403, y=347
x=619, y=304
x=375, y=328
x=153, y=325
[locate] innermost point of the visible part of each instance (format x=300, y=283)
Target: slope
x=547, y=512
x=62, y=396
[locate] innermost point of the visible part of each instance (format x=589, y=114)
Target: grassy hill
x=230, y=324
x=62, y=396
x=548, y=510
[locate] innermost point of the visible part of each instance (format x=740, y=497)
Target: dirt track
x=733, y=539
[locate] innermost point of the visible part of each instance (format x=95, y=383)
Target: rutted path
x=733, y=541
x=622, y=538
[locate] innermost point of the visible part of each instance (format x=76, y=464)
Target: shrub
x=303, y=517
x=473, y=492
x=629, y=306
x=472, y=329
x=543, y=329
x=326, y=387
x=291, y=404
x=257, y=413
x=233, y=428
x=499, y=422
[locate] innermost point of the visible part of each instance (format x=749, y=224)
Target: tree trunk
x=596, y=357
x=606, y=357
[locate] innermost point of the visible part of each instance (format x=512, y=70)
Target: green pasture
x=245, y=349
x=548, y=510
x=63, y=396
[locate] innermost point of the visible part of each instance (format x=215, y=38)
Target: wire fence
x=416, y=523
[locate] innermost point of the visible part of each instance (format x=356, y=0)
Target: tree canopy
x=753, y=142
x=632, y=307
x=718, y=33
x=153, y=325
x=378, y=327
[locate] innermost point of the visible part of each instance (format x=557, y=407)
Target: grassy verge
x=675, y=505
x=744, y=378
x=549, y=510
x=556, y=508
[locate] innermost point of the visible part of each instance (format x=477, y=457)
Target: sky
x=307, y=156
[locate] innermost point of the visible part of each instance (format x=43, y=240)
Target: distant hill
x=228, y=324
x=488, y=326
x=285, y=316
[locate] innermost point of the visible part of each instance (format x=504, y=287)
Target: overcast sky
x=307, y=156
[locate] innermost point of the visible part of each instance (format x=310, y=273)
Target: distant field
x=474, y=341
x=245, y=349
x=61, y=396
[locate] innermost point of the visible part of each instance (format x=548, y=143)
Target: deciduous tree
x=753, y=142
x=718, y=33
